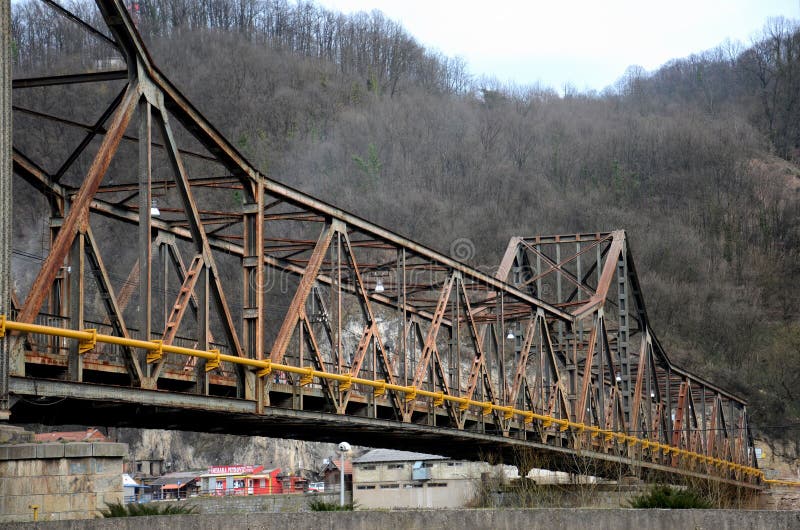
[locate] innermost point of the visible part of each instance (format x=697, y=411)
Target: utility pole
x=5, y=199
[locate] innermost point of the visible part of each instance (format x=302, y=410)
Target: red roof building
x=89, y=435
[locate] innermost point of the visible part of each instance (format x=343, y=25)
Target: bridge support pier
x=5, y=199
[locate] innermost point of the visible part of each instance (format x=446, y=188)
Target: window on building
x=437, y=484
x=395, y=466
x=454, y=464
x=390, y=486
x=366, y=487
x=427, y=464
x=368, y=468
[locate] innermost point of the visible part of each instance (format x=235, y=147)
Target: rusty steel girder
x=277, y=275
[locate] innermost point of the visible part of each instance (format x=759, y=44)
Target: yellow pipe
x=89, y=337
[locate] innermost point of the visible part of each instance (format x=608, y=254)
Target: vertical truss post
x=253, y=288
x=145, y=203
x=76, y=304
x=402, y=309
x=622, y=335
x=203, y=331
x=336, y=301
x=5, y=198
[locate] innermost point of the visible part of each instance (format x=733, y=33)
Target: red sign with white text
x=234, y=470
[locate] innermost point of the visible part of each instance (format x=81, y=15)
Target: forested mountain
x=698, y=160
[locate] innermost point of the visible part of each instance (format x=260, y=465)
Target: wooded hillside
x=698, y=160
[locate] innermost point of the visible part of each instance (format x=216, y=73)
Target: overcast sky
x=586, y=43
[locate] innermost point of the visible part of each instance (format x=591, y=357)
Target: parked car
x=316, y=487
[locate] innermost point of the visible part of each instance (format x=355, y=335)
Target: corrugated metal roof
x=180, y=476
x=392, y=455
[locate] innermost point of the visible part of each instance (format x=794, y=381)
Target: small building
x=385, y=478
x=293, y=484
x=241, y=480
x=178, y=485
x=133, y=491
x=145, y=468
x=331, y=477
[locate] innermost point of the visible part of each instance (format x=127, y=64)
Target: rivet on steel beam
x=89, y=344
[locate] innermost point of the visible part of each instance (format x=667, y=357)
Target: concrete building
x=384, y=478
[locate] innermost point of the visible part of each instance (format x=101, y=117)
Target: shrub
x=669, y=497
x=322, y=506
x=117, y=509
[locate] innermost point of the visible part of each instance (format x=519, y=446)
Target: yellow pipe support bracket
x=411, y=393
x=2, y=326
x=345, y=385
x=88, y=344
x=438, y=401
x=380, y=390
x=486, y=408
x=307, y=377
x=528, y=418
x=546, y=423
x=508, y=414
x=464, y=405
x=266, y=370
x=563, y=426
x=212, y=363
x=156, y=354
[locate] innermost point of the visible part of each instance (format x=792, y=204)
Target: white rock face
x=190, y=450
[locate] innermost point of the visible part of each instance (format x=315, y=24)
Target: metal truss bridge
x=236, y=304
